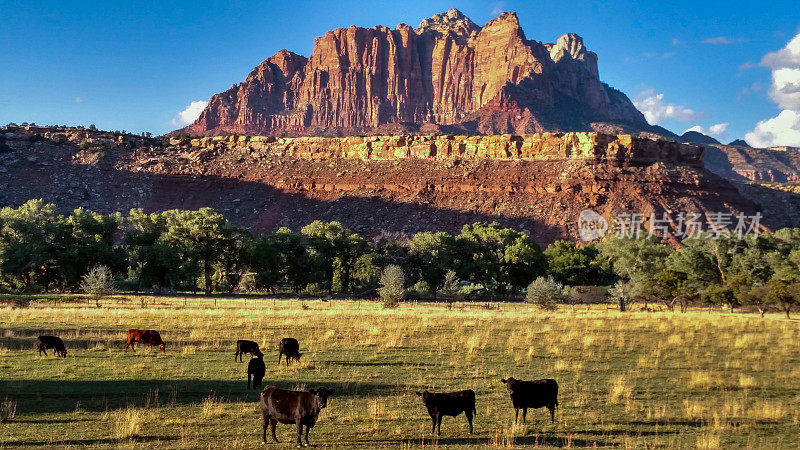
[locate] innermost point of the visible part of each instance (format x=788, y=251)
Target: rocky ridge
x=539, y=183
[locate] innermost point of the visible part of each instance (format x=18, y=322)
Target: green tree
x=501, y=259
x=337, y=248
x=635, y=259
x=294, y=258
x=575, y=265
x=203, y=235
x=433, y=255
x=32, y=238
x=156, y=262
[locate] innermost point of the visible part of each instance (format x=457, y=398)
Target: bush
x=451, y=287
x=98, y=282
x=545, y=293
x=391, y=290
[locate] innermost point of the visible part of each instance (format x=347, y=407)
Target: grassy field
x=632, y=380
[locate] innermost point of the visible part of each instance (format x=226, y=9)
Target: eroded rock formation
x=448, y=74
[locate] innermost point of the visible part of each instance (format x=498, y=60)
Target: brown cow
x=148, y=337
x=291, y=348
x=298, y=407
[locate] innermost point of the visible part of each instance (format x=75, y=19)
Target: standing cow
x=144, y=337
x=291, y=348
x=532, y=394
x=448, y=404
x=301, y=408
x=244, y=346
x=54, y=342
x=256, y=369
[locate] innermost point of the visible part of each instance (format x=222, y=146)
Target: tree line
x=200, y=250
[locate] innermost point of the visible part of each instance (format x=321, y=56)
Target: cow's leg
x=299, y=433
x=264, y=422
x=433, y=424
x=236, y=355
x=307, y=443
x=524, y=413
x=469, y=420
x=272, y=423
x=552, y=409
x=279, y=358
x=516, y=414
x=439, y=425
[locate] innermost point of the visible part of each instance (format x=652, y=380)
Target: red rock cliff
x=447, y=74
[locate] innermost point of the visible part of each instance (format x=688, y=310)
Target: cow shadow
x=53, y=396
x=550, y=440
x=84, y=442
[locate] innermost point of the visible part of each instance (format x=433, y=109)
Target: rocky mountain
x=447, y=75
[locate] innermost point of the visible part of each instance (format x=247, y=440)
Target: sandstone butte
x=448, y=75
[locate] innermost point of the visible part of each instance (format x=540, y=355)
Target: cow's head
x=425, y=395
x=257, y=353
x=163, y=347
x=510, y=384
x=321, y=395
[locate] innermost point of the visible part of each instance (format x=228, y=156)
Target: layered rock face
x=447, y=74
x=597, y=147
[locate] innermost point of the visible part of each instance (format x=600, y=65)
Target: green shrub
x=99, y=282
x=545, y=293
x=391, y=290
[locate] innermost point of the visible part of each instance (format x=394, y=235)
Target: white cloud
x=676, y=41
x=783, y=129
x=716, y=130
x=190, y=114
x=655, y=110
x=78, y=99
x=746, y=66
x=719, y=40
x=498, y=9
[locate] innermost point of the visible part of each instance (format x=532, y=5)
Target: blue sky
x=137, y=65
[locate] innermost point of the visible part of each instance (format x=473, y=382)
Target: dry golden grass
x=633, y=380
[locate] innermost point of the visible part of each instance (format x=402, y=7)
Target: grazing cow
x=256, y=369
x=291, y=348
x=532, y=394
x=53, y=342
x=243, y=346
x=448, y=404
x=149, y=337
x=298, y=407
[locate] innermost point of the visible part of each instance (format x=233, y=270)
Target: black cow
x=53, y=342
x=532, y=394
x=256, y=369
x=244, y=346
x=448, y=404
x=298, y=407
x=291, y=348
